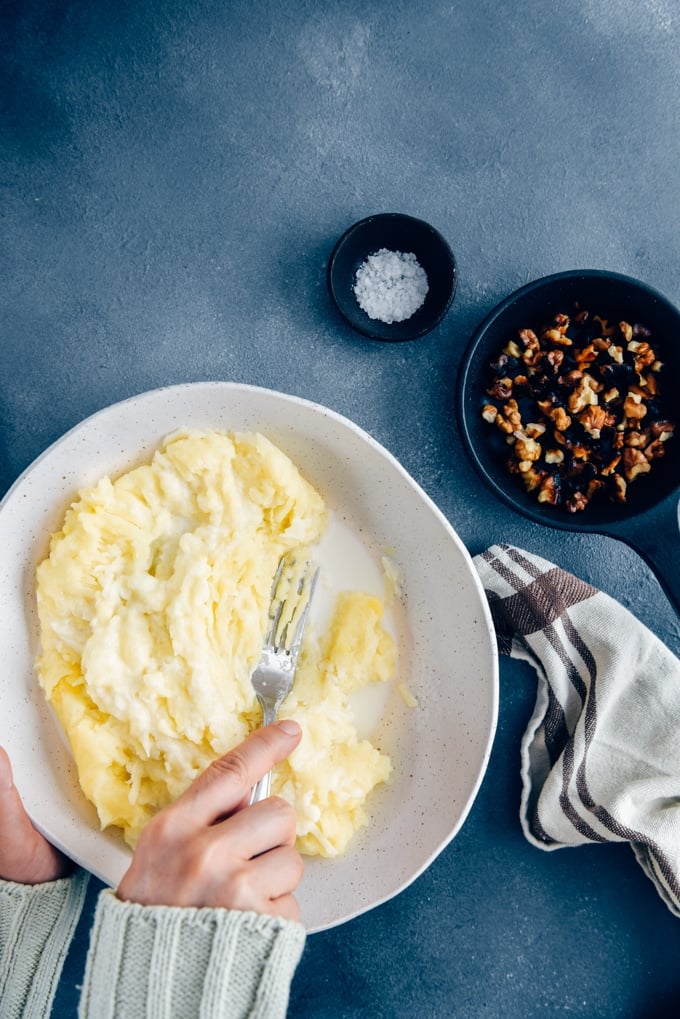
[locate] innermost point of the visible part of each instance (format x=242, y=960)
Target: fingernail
x=290, y=727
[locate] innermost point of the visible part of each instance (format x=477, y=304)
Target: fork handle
x=260, y=790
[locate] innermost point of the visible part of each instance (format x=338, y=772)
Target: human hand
x=25, y=855
x=210, y=848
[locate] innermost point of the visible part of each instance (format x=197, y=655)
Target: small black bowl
x=648, y=521
x=396, y=232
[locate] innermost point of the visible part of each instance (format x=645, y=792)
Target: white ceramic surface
x=447, y=649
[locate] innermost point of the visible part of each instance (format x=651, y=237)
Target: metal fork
x=291, y=597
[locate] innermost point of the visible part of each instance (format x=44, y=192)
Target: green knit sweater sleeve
x=158, y=962
x=37, y=923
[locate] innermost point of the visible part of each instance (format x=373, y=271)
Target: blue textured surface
x=174, y=176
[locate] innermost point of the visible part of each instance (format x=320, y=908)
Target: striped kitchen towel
x=600, y=757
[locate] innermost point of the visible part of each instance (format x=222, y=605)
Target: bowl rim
x=123, y=434
x=481, y=461
x=541, y=281
x=378, y=333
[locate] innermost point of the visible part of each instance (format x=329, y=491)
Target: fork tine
x=275, y=604
x=309, y=578
x=291, y=592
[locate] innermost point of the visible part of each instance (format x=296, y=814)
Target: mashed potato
x=153, y=603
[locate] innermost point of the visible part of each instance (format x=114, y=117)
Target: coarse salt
x=391, y=285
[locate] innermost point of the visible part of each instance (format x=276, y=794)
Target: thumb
x=12, y=812
x=224, y=784
x=25, y=855
x=6, y=780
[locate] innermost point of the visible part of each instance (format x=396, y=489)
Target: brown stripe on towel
x=506, y=573
x=517, y=556
x=558, y=739
x=590, y=726
x=570, y=667
x=507, y=614
x=539, y=831
x=501, y=624
x=545, y=599
x=568, y=809
x=504, y=613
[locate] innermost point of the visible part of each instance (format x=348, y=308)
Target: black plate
x=649, y=519
x=396, y=232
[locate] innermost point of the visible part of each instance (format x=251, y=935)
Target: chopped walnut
x=501, y=389
x=620, y=488
x=593, y=419
x=509, y=419
x=558, y=337
x=662, y=430
x=611, y=466
x=586, y=355
x=527, y=449
x=583, y=396
x=532, y=478
x=531, y=344
x=561, y=418
x=655, y=449
x=644, y=355
x=577, y=502
x=650, y=385
x=633, y=407
x=555, y=358
x=572, y=378
x=637, y=440
x=634, y=463
x=549, y=490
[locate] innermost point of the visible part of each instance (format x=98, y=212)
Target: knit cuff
x=162, y=961
x=37, y=923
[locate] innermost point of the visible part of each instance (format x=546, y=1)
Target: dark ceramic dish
x=396, y=232
x=648, y=521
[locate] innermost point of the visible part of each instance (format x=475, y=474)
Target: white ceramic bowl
x=447, y=649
